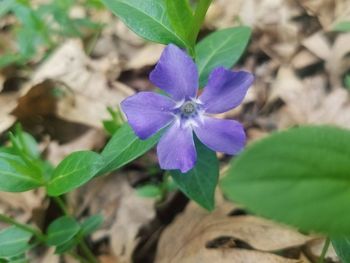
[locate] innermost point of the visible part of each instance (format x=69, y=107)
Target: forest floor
x=300, y=64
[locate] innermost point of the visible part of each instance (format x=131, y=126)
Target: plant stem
x=87, y=252
x=324, y=250
x=35, y=232
x=199, y=15
x=61, y=205
x=76, y=256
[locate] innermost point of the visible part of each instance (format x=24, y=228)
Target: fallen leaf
x=198, y=228
x=89, y=91
x=314, y=105
x=124, y=212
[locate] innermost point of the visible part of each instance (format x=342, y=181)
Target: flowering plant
x=183, y=113
x=292, y=176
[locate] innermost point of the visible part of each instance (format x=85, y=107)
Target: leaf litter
x=299, y=65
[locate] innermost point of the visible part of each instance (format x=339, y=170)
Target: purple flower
x=183, y=113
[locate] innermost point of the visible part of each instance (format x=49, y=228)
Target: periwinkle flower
x=183, y=113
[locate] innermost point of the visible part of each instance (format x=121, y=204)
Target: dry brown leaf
x=303, y=59
x=146, y=56
x=8, y=102
x=318, y=44
x=198, y=227
x=314, y=105
x=286, y=85
x=89, y=91
x=314, y=250
x=123, y=210
x=228, y=256
x=339, y=60
x=49, y=257
x=22, y=205
x=278, y=32
x=327, y=11
x=90, y=140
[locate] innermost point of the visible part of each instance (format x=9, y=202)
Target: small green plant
x=299, y=177
x=42, y=27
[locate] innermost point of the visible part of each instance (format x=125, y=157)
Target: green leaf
x=199, y=183
x=6, y=6
x=347, y=81
x=16, y=175
x=342, y=26
x=67, y=246
x=181, y=17
x=91, y=224
x=221, y=48
x=25, y=143
x=13, y=241
x=294, y=177
x=149, y=190
x=124, y=147
x=342, y=248
x=62, y=230
x=8, y=59
x=147, y=18
x=75, y=170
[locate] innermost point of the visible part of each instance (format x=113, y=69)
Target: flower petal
x=148, y=112
x=225, y=90
x=176, y=73
x=226, y=136
x=176, y=150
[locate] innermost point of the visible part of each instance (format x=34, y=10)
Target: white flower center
x=188, y=108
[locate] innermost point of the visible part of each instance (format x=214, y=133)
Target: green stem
x=199, y=15
x=35, y=232
x=84, y=247
x=324, y=250
x=87, y=252
x=77, y=257
x=61, y=205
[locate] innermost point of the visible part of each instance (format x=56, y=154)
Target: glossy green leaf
x=16, y=175
x=24, y=143
x=199, y=183
x=18, y=259
x=221, y=48
x=147, y=18
x=342, y=26
x=91, y=224
x=181, y=17
x=75, y=170
x=13, y=242
x=67, y=246
x=341, y=246
x=294, y=177
x=62, y=230
x=124, y=147
x=149, y=190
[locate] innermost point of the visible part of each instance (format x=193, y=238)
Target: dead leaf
x=314, y=105
x=198, y=228
x=146, y=56
x=124, y=212
x=339, y=60
x=89, y=91
x=318, y=44
x=327, y=11
x=286, y=85
x=8, y=101
x=314, y=250
x=90, y=140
